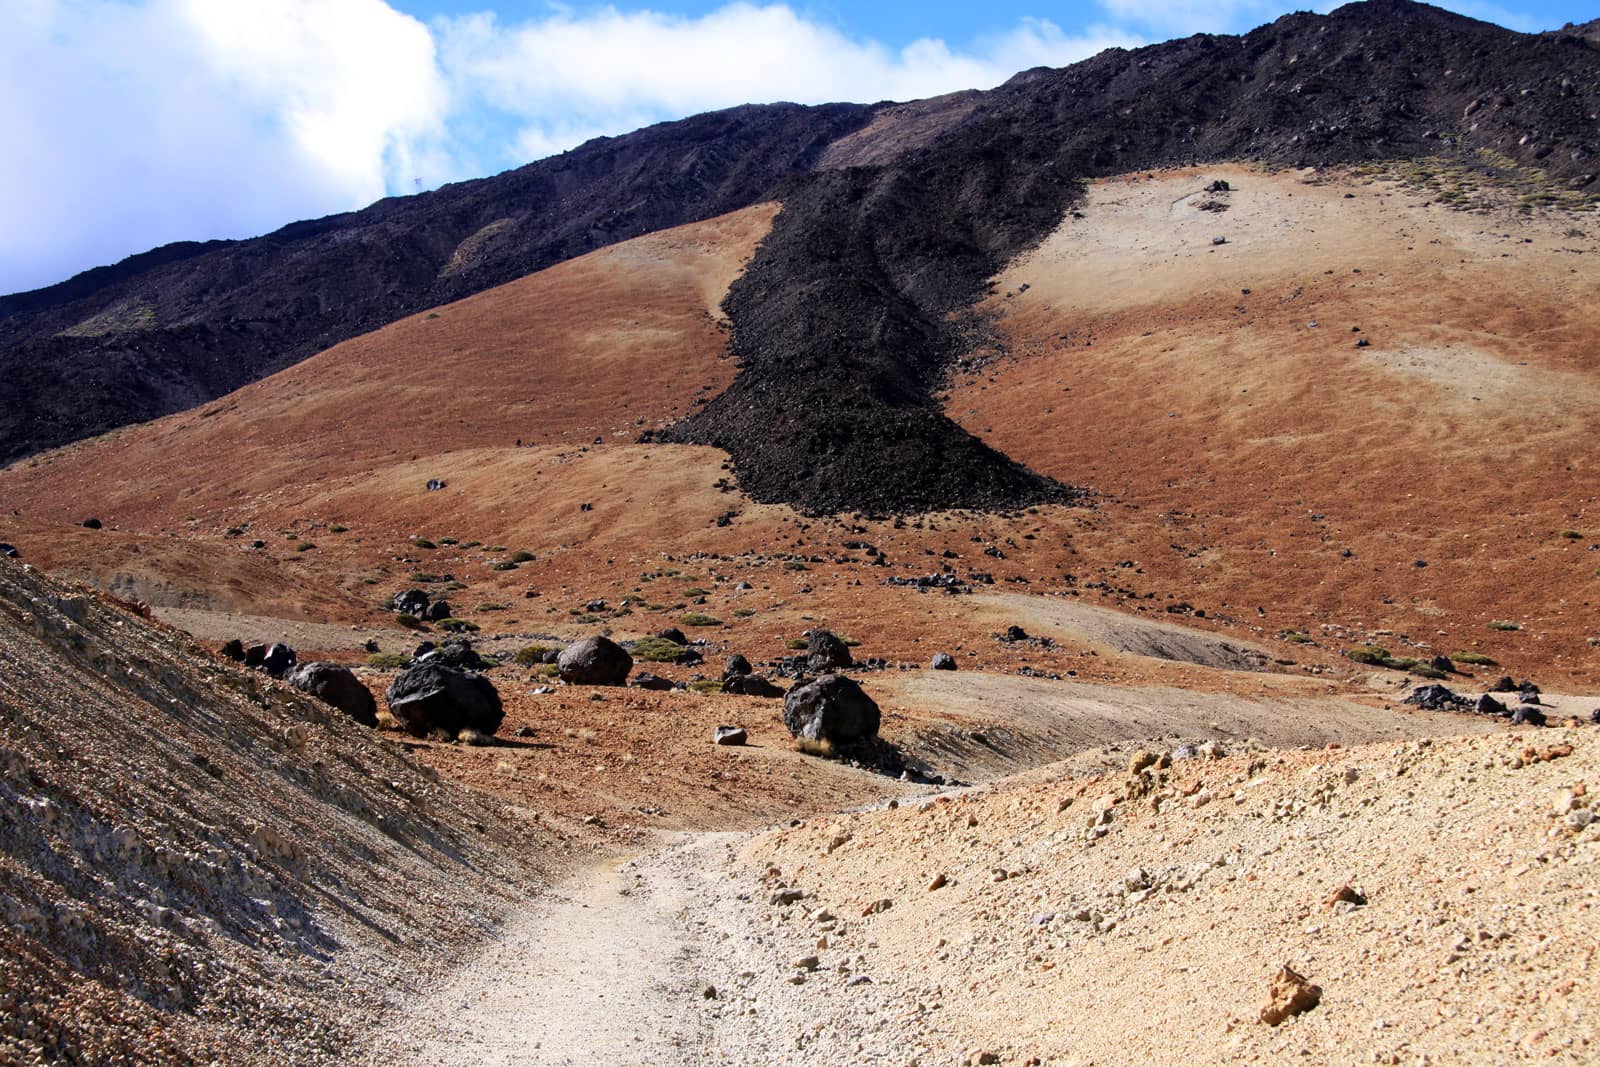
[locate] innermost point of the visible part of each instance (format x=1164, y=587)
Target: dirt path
x=602, y=970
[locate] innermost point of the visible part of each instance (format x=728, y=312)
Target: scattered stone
x=1506, y=684
x=1015, y=633
x=653, y=682
x=1488, y=705
x=730, y=735
x=277, y=660
x=337, y=685
x=433, y=696
x=944, y=662
x=939, y=882
x=1527, y=715
x=750, y=685
x=877, y=907
x=736, y=665
x=595, y=661
x=523, y=731
x=1141, y=760
x=412, y=602
x=833, y=708
x=708, y=991
x=807, y=963
x=825, y=652
x=435, y=484
x=92, y=524
x=234, y=650
x=1290, y=994
x=1345, y=895
x=1435, y=698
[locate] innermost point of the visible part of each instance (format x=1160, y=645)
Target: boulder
x=730, y=735
x=1488, y=705
x=1435, y=698
x=673, y=634
x=653, y=682
x=234, y=650
x=737, y=664
x=92, y=524
x=1443, y=663
x=254, y=655
x=412, y=602
x=750, y=685
x=334, y=684
x=826, y=652
x=1527, y=715
x=458, y=652
x=439, y=609
x=594, y=661
x=944, y=661
x=278, y=660
x=833, y=708
x=436, y=696
x=1506, y=684
x=1015, y=633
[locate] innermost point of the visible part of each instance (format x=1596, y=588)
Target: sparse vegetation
x=814, y=747
x=656, y=650
x=530, y=655
x=795, y=565
x=423, y=542
x=743, y=613
x=1475, y=659
x=494, y=605
x=305, y=546
x=700, y=618
x=796, y=644
x=1376, y=656
x=424, y=576
x=706, y=685
x=410, y=622
x=520, y=556
x=1295, y=637
x=457, y=626
x=1505, y=624
x=503, y=565
x=1572, y=535
x=336, y=528
x=694, y=590
x=388, y=661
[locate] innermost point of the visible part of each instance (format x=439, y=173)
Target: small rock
x=1345, y=895
x=944, y=662
x=939, y=882
x=1290, y=994
x=730, y=735
x=1141, y=760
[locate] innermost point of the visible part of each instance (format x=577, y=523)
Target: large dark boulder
x=439, y=609
x=675, y=635
x=825, y=652
x=412, y=602
x=944, y=661
x=335, y=684
x=594, y=661
x=737, y=664
x=234, y=650
x=278, y=660
x=436, y=696
x=833, y=708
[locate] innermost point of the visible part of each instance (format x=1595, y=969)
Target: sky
x=127, y=124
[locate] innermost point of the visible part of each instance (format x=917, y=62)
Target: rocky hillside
x=200, y=865
x=894, y=218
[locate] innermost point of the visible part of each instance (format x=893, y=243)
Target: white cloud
x=128, y=125
x=565, y=77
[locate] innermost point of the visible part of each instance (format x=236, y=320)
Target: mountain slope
x=893, y=220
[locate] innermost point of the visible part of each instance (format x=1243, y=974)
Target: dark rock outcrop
x=277, y=661
x=826, y=651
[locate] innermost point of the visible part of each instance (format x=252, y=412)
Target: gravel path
x=602, y=970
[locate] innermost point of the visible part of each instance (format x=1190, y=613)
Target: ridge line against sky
x=134, y=123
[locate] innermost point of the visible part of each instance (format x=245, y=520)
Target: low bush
x=457, y=626
x=423, y=542
x=700, y=618
x=503, y=565
x=1504, y=624
x=656, y=650
x=1475, y=659
x=694, y=590
x=529, y=655
x=410, y=622
x=706, y=685
x=388, y=661
x=796, y=644
x=305, y=546
x=519, y=556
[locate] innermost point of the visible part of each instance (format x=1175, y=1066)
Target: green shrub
x=1371, y=655
x=586, y=619
x=1476, y=659
x=388, y=661
x=423, y=542
x=694, y=590
x=424, y=576
x=457, y=626
x=503, y=565
x=700, y=618
x=656, y=650
x=1572, y=535
x=1422, y=670
x=529, y=655
x=795, y=565
x=743, y=613
x=706, y=685
x=410, y=622
x=495, y=548
x=471, y=544
x=796, y=644
x=1503, y=624
x=1296, y=637
x=336, y=528
x=519, y=556
x=448, y=541
x=494, y=606
x=1402, y=663
x=305, y=546
x=546, y=670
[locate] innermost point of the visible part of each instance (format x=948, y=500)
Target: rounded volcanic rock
x=335, y=684
x=594, y=661
x=826, y=651
x=944, y=661
x=833, y=708
x=436, y=696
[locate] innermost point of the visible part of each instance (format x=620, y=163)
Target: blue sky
x=131, y=123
